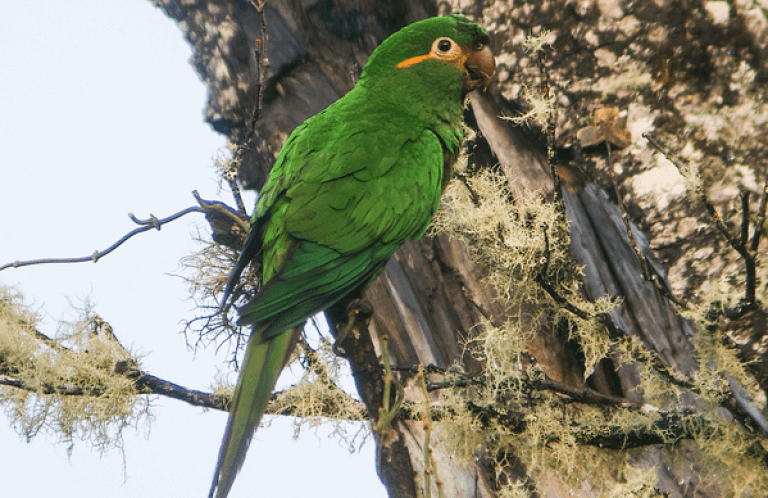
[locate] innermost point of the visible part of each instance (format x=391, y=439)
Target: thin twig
x=430, y=467
x=743, y=402
x=741, y=244
x=388, y=412
x=473, y=195
x=749, y=256
x=52, y=343
x=431, y=368
x=542, y=281
x=551, y=129
x=264, y=46
x=624, y=215
x=262, y=66
x=231, y=176
x=152, y=223
x=223, y=209
x=649, y=275
x=583, y=394
x=760, y=220
x=577, y=394
x=744, y=239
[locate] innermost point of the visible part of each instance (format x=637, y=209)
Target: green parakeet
x=349, y=187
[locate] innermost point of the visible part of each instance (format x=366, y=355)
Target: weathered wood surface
x=599, y=243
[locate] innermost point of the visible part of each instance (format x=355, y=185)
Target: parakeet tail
x=261, y=368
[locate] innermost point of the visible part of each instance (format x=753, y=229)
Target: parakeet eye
x=445, y=49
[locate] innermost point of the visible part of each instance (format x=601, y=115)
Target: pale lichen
x=317, y=398
x=66, y=386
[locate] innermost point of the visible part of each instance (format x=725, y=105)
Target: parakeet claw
x=357, y=309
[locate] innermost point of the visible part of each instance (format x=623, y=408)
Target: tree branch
x=741, y=244
x=212, y=209
x=148, y=224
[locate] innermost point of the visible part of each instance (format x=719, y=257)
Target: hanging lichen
x=67, y=385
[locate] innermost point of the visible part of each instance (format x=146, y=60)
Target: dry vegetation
x=66, y=386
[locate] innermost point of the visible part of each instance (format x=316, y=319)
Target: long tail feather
x=261, y=368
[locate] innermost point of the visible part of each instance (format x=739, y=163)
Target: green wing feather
x=349, y=187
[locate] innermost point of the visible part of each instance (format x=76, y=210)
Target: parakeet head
x=448, y=53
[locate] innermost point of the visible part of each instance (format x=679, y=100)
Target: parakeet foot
x=356, y=309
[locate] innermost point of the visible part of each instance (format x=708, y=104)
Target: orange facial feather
x=413, y=60
x=454, y=54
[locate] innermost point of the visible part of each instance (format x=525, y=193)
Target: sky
x=100, y=116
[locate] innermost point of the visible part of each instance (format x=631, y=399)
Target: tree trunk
x=431, y=297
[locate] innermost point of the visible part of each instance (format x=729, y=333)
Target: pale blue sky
x=101, y=115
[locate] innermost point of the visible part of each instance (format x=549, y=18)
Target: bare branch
x=146, y=225
x=760, y=221
x=149, y=384
x=745, y=405
x=649, y=274
x=262, y=64
x=209, y=208
x=741, y=244
x=222, y=209
x=669, y=426
x=551, y=128
x=583, y=394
